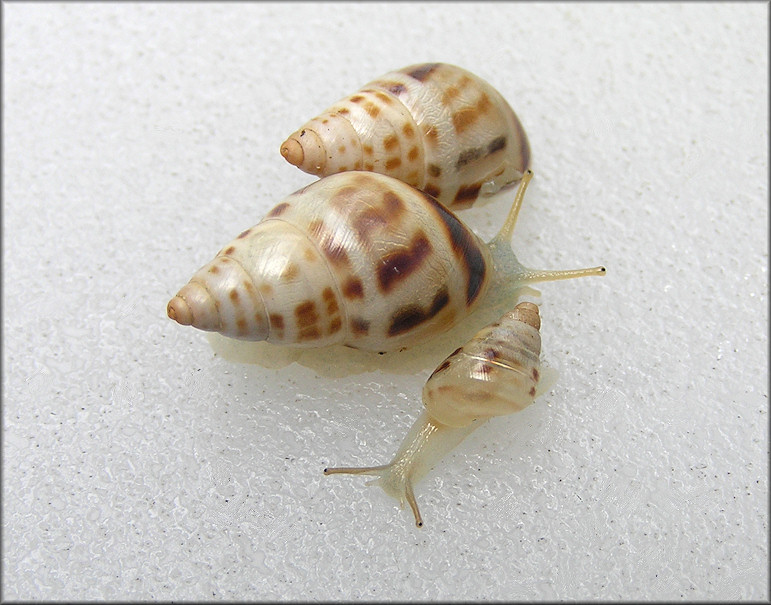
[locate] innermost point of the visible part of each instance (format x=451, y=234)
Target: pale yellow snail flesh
x=496, y=373
x=434, y=126
x=359, y=259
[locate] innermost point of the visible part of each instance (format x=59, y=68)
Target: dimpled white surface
x=137, y=464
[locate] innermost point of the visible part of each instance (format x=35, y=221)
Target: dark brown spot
x=397, y=266
x=214, y=269
x=432, y=189
x=490, y=354
x=467, y=193
x=394, y=87
x=496, y=144
x=483, y=104
x=229, y=250
x=405, y=319
x=484, y=369
x=394, y=205
x=290, y=272
x=305, y=314
x=536, y=375
x=532, y=391
x=343, y=111
x=423, y=71
x=242, y=326
x=335, y=325
x=276, y=321
x=441, y=298
x=311, y=333
x=325, y=121
x=359, y=326
x=367, y=149
x=434, y=170
x=390, y=142
x=410, y=316
x=234, y=296
x=278, y=210
x=353, y=288
x=369, y=167
x=243, y=234
x=413, y=154
x=341, y=149
x=247, y=285
x=465, y=247
x=393, y=163
x=449, y=95
x=331, y=300
x=442, y=367
x=372, y=109
x=468, y=155
x=463, y=118
x=408, y=130
x=384, y=97
x=356, y=99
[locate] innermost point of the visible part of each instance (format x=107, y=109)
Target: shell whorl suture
x=434, y=126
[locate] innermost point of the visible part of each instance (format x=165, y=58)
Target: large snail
x=356, y=258
x=434, y=126
x=494, y=374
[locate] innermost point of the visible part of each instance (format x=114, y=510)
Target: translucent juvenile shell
x=434, y=126
x=494, y=374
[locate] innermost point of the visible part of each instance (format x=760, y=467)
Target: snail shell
x=434, y=126
x=494, y=374
x=356, y=258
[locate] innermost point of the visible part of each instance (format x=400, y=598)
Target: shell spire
x=434, y=126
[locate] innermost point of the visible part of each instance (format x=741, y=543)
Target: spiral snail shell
x=356, y=258
x=434, y=126
x=494, y=374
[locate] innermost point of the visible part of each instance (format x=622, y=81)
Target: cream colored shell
x=357, y=258
x=494, y=374
x=434, y=126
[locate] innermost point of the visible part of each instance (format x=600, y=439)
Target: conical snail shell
x=357, y=258
x=494, y=374
x=434, y=126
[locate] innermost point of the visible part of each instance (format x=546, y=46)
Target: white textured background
x=137, y=464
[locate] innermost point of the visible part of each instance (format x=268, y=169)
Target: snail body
x=434, y=126
x=495, y=373
x=359, y=259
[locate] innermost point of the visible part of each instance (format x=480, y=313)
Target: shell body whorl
x=434, y=126
x=357, y=258
x=494, y=374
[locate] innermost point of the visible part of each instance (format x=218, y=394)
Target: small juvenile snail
x=434, y=126
x=494, y=374
x=359, y=259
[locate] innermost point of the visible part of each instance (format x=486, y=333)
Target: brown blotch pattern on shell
x=305, y=314
x=434, y=170
x=464, y=247
x=397, y=266
x=410, y=316
x=359, y=326
x=423, y=72
x=278, y=210
x=276, y=321
x=468, y=193
x=353, y=288
x=243, y=234
x=390, y=142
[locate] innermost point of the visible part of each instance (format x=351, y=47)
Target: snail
x=434, y=126
x=357, y=258
x=494, y=374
